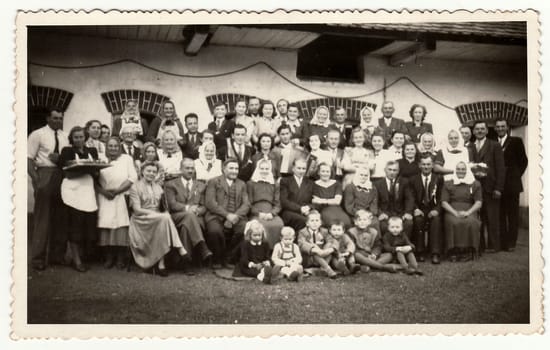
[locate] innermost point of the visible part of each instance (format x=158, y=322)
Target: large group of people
x=271, y=193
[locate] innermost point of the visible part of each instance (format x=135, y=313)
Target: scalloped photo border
x=22, y=330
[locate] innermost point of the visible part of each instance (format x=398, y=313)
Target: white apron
x=79, y=192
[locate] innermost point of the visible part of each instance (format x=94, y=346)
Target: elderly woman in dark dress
x=79, y=197
x=327, y=197
x=461, y=198
x=264, y=195
x=408, y=165
x=361, y=194
x=416, y=127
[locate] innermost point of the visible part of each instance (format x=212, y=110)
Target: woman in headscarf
x=207, y=166
x=319, y=124
x=416, y=127
x=461, y=197
x=327, y=197
x=79, y=198
x=361, y=194
x=130, y=116
x=93, y=128
x=167, y=120
x=427, y=145
x=113, y=221
x=266, y=123
x=367, y=123
x=170, y=155
x=266, y=150
x=152, y=232
x=450, y=155
x=263, y=194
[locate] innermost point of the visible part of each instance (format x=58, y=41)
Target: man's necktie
x=56, y=147
x=426, y=192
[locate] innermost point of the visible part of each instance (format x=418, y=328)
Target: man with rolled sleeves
x=43, y=149
x=515, y=162
x=484, y=150
x=227, y=207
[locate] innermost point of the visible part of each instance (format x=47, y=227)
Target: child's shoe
x=267, y=275
x=331, y=274
x=341, y=267
x=354, y=268
x=410, y=271
x=293, y=276
x=365, y=268
x=418, y=272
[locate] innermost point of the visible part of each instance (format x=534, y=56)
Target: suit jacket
x=221, y=133
x=294, y=197
x=191, y=149
x=491, y=154
x=217, y=199
x=345, y=136
x=395, y=125
x=246, y=164
x=403, y=203
x=178, y=197
x=136, y=153
x=306, y=240
x=434, y=190
x=515, y=162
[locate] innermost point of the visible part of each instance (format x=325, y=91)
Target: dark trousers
x=509, y=219
x=490, y=218
x=47, y=210
x=407, y=227
x=431, y=226
x=224, y=242
x=293, y=219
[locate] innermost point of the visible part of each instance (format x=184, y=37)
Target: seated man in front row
x=227, y=208
x=185, y=198
x=394, y=199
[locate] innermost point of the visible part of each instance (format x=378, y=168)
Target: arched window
x=228, y=98
x=514, y=114
x=42, y=100
x=149, y=103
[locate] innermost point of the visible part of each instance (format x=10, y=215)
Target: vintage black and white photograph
x=284, y=172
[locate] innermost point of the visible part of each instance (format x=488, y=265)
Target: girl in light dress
x=395, y=151
x=93, y=127
x=245, y=120
x=356, y=156
x=266, y=123
x=317, y=155
x=381, y=156
x=149, y=153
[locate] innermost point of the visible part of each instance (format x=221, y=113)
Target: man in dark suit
x=185, y=198
x=227, y=207
x=426, y=189
x=296, y=193
x=128, y=137
x=340, y=117
x=394, y=199
x=388, y=124
x=333, y=142
x=515, y=162
x=192, y=138
x=236, y=148
x=220, y=125
x=466, y=133
x=489, y=152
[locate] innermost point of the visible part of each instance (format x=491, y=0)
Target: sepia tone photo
x=370, y=171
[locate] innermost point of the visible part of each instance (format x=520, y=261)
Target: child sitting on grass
x=397, y=243
x=311, y=240
x=368, y=244
x=343, y=249
x=286, y=256
x=254, y=261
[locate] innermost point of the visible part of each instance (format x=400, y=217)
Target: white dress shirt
x=41, y=143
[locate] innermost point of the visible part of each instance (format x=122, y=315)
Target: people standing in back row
x=515, y=162
x=388, y=125
x=43, y=148
x=487, y=151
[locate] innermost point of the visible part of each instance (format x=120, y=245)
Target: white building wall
x=451, y=82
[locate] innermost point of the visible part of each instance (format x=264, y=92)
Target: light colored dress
x=354, y=157
x=171, y=164
x=112, y=214
x=152, y=235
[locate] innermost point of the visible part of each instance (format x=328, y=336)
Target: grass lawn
x=493, y=289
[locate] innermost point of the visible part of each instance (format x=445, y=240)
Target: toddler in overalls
x=286, y=256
